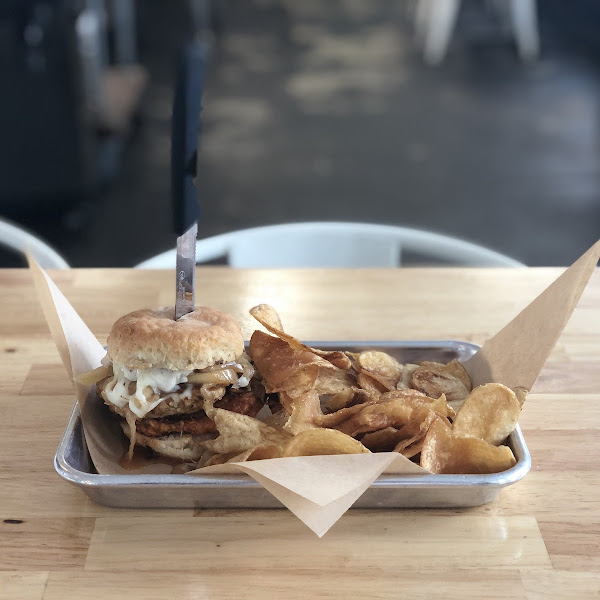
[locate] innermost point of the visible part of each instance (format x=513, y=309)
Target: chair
x=435, y=19
x=18, y=239
x=333, y=244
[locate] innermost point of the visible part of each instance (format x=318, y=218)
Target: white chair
x=435, y=20
x=15, y=238
x=333, y=244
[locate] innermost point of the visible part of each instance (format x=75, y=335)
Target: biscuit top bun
x=148, y=339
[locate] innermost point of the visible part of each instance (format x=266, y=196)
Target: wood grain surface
x=540, y=538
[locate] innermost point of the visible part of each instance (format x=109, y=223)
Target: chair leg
x=523, y=15
x=441, y=19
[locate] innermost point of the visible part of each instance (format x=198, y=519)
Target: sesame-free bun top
x=147, y=339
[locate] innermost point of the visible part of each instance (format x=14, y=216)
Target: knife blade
x=186, y=272
x=185, y=129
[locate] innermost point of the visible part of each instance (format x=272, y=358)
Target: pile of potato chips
x=331, y=402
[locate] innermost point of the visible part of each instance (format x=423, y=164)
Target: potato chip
x=411, y=446
x=301, y=382
x=407, y=440
x=238, y=433
x=407, y=371
x=264, y=452
x=314, y=442
x=411, y=449
x=434, y=379
x=282, y=367
x=392, y=411
x=335, y=357
x=439, y=404
x=339, y=416
x=343, y=400
x=304, y=411
x=370, y=383
x=385, y=368
x=456, y=368
x=332, y=380
x=336, y=418
x=444, y=452
x=490, y=412
x=333, y=402
x=382, y=440
x=411, y=395
x=261, y=452
x=267, y=316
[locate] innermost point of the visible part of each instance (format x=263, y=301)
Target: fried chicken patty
x=197, y=423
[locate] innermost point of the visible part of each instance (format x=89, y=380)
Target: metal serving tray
x=72, y=462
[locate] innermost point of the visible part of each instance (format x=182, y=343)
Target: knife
x=185, y=128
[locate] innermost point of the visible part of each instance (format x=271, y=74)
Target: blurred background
x=474, y=125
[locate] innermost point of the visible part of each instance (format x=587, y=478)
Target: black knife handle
x=185, y=129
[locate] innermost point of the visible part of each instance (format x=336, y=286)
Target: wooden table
x=540, y=539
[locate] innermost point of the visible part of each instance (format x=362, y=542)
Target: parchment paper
x=319, y=489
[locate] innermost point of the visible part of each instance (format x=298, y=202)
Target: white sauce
x=242, y=383
x=159, y=380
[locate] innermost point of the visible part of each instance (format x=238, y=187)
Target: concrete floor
x=324, y=111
